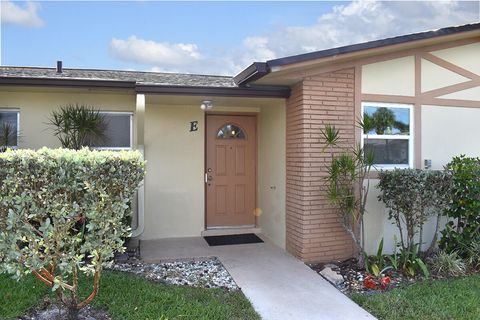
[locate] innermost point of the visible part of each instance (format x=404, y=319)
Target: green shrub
x=411, y=196
x=448, y=264
x=61, y=212
x=464, y=207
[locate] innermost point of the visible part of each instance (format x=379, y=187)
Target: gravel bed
x=204, y=273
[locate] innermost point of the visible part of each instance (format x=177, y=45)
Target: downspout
x=140, y=203
x=140, y=128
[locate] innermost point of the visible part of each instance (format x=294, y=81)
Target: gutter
x=252, y=92
x=253, y=72
x=248, y=92
x=62, y=82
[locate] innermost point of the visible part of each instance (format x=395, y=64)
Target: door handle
x=208, y=178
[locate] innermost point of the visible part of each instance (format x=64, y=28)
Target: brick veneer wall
x=314, y=233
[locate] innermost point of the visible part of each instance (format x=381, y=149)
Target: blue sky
x=204, y=37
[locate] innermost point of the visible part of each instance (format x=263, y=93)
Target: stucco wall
x=36, y=106
x=445, y=131
x=396, y=77
x=448, y=132
x=174, y=186
x=272, y=172
x=378, y=226
x=174, y=197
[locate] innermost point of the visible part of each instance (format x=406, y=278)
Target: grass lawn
x=127, y=297
x=441, y=299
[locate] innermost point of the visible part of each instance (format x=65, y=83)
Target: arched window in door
x=230, y=131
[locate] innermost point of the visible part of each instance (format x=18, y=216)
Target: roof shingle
x=139, y=77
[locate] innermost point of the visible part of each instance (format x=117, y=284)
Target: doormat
x=232, y=239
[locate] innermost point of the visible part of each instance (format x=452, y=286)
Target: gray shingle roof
x=146, y=78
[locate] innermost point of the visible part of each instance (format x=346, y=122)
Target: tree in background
x=8, y=135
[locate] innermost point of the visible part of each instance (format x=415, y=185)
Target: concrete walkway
x=278, y=285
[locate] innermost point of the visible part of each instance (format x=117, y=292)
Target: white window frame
x=131, y=130
x=17, y=111
x=408, y=137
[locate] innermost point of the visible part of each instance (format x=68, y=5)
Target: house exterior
x=245, y=153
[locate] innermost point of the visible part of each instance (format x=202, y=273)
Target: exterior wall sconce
x=206, y=105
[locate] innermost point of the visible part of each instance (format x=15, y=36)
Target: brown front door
x=230, y=178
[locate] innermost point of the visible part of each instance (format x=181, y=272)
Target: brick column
x=314, y=233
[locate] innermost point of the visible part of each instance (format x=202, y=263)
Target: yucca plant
x=78, y=126
x=348, y=185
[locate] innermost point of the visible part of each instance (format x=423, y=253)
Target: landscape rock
x=332, y=276
x=206, y=273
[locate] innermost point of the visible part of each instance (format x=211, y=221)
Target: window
x=230, y=131
x=9, y=127
x=118, y=132
x=388, y=133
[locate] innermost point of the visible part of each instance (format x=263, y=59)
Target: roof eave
x=254, y=92
x=248, y=92
x=77, y=83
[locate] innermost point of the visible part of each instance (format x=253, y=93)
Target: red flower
x=369, y=283
x=385, y=282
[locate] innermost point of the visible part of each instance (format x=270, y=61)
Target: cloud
x=361, y=21
x=25, y=15
x=154, y=53
x=348, y=23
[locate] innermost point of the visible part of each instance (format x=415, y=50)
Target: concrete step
x=229, y=231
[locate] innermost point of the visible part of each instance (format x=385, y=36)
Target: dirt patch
x=55, y=311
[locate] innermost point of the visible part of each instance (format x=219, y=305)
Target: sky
x=204, y=37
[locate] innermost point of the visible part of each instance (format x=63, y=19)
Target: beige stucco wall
x=448, y=132
x=464, y=56
x=272, y=172
x=434, y=77
x=36, y=105
x=174, y=186
x=396, y=77
x=378, y=226
x=174, y=196
x=445, y=131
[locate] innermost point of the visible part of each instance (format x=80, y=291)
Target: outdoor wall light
x=206, y=105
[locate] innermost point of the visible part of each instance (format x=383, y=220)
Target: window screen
x=8, y=128
x=118, y=132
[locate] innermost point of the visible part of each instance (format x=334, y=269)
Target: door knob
x=208, y=177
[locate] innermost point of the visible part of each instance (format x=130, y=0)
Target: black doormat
x=232, y=239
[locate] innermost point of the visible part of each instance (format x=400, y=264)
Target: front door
x=230, y=173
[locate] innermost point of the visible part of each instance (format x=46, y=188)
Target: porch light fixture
x=206, y=105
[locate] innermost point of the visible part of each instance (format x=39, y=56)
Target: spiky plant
x=348, y=185
x=448, y=264
x=78, y=126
